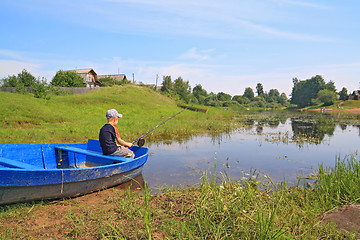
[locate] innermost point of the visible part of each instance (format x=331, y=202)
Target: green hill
x=349, y=104
x=75, y=118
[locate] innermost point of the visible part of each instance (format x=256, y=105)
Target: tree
x=223, y=97
x=26, y=79
x=198, y=91
x=304, y=91
x=249, y=93
x=10, y=81
x=167, y=85
x=240, y=99
x=344, y=94
x=273, y=95
x=23, y=79
x=67, y=79
x=108, y=81
x=326, y=96
x=330, y=86
x=260, y=89
x=182, y=89
x=283, y=99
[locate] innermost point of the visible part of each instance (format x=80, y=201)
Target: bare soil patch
x=346, y=218
x=61, y=219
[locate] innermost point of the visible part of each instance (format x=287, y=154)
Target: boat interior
x=58, y=155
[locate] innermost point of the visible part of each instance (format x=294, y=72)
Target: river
x=282, y=149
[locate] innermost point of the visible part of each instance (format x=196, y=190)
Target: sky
x=226, y=46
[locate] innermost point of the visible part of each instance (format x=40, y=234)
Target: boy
x=109, y=135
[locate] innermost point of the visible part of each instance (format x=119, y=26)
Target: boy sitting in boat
x=109, y=135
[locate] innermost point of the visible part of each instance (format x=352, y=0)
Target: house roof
x=118, y=77
x=82, y=71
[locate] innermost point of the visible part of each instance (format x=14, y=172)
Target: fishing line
x=140, y=141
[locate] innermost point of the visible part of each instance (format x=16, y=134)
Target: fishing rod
x=140, y=141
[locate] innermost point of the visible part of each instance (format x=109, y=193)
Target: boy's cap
x=111, y=113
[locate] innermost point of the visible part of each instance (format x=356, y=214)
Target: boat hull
x=31, y=172
x=15, y=194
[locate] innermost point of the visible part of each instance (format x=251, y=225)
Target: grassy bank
x=220, y=208
x=348, y=104
x=75, y=118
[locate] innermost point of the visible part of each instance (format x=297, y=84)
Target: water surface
x=281, y=149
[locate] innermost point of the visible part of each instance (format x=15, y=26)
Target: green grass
x=220, y=208
x=75, y=118
x=348, y=104
x=351, y=104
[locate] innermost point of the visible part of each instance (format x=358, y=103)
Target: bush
x=230, y=103
x=41, y=90
x=67, y=79
x=109, y=81
x=326, y=96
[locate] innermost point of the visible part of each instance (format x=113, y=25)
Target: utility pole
x=157, y=77
x=133, y=78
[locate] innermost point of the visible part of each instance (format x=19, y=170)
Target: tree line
x=309, y=92
x=315, y=91
x=181, y=90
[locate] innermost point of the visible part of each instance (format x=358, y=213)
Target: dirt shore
x=353, y=110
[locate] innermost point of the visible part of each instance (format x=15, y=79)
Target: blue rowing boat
x=59, y=170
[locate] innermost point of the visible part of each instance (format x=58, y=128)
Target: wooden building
x=90, y=77
x=355, y=95
x=117, y=77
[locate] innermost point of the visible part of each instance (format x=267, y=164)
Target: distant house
x=89, y=76
x=117, y=77
x=355, y=95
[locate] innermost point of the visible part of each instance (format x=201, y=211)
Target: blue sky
x=225, y=45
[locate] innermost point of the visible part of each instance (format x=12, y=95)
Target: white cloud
x=13, y=67
x=213, y=19
x=197, y=55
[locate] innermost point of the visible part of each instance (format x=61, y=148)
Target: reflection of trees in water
x=217, y=138
x=343, y=126
x=310, y=127
x=261, y=122
x=259, y=128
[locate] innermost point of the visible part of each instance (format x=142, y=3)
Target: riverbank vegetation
x=75, y=118
x=220, y=208
x=305, y=93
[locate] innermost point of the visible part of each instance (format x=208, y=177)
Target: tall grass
x=339, y=185
x=75, y=118
x=220, y=208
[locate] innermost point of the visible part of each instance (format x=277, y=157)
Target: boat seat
x=93, y=154
x=8, y=163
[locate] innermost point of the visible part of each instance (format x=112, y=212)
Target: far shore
x=353, y=110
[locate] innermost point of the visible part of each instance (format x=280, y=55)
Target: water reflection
x=282, y=147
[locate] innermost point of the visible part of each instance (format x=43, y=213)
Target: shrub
x=67, y=79
x=326, y=96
